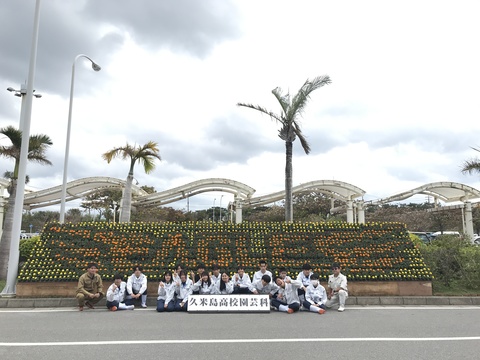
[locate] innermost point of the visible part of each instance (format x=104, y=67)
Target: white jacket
x=338, y=282
x=290, y=293
x=244, y=281
x=137, y=285
x=166, y=292
x=316, y=295
x=305, y=280
x=228, y=288
x=183, y=290
x=118, y=294
x=203, y=288
x=270, y=288
x=258, y=276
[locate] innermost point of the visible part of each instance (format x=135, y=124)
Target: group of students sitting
x=286, y=294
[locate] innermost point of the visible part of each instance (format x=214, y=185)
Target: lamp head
x=11, y=89
x=96, y=67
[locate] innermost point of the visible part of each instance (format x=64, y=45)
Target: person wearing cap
x=315, y=296
x=116, y=295
x=287, y=298
x=257, y=277
x=304, y=278
x=337, y=292
x=137, y=287
x=89, y=288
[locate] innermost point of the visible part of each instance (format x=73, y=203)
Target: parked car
x=424, y=236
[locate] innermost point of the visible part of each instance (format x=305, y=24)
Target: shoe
x=89, y=305
x=144, y=306
x=341, y=308
x=130, y=307
x=321, y=311
x=290, y=311
x=113, y=308
x=80, y=308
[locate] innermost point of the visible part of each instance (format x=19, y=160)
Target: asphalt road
x=451, y=332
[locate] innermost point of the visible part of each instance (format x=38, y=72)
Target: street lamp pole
x=220, y=217
x=95, y=67
x=10, y=286
x=214, y=209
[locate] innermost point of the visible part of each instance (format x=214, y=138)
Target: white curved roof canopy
x=75, y=189
x=336, y=189
x=240, y=190
x=446, y=191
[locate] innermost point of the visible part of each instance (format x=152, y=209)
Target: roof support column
x=350, y=211
x=468, y=221
x=360, y=212
x=238, y=211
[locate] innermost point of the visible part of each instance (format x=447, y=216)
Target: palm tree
x=37, y=147
x=471, y=166
x=146, y=155
x=291, y=110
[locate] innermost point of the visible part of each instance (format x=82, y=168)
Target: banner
x=229, y=303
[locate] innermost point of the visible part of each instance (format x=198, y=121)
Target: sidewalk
x=352, y=300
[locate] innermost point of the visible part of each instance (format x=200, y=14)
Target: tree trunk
x=6, y=241
x=127, y=200
x=288, y=182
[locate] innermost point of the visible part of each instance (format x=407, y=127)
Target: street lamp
x=22, y=93
x=214, y=209
x=220, y=217
x=95, y=67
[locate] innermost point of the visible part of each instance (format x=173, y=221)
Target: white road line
x=234, y=341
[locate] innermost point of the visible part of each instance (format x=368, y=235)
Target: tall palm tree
x=291, y=110
x=471, y=166
x=146, y=155
x=37, y=147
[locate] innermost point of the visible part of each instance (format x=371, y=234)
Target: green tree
x=37, y=147
x=471, y=166
x=291, y=110
x=146, y=155
x=104, y=201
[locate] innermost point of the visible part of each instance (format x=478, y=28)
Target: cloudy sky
x=402, y=111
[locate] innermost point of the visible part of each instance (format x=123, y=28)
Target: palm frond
x=471, y=166
x=272, y=115
x=284, y=100
x=301, y=98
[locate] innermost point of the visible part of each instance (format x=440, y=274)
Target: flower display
x=367, y=252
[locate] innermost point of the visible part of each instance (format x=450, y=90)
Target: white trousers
x=338, y=298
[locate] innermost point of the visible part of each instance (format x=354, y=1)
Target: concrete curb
x=19, y=303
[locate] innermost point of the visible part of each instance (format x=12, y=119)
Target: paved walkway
x=352, y=300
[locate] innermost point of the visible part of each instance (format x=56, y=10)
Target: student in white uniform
x=287, y=300
x=337, y=292
x=315, y=296
x=304, y=278
x=183, y=289
x=116, y=295
x=166, y=293
x=215, y=276
x=241, y=282
x=224, y=286
x=137, y=287
x=204, y=286
x=265, y=286
x=176, y=273
x=197, y=276
x=257, y=277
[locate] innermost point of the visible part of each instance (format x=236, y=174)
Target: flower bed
x=367, y=252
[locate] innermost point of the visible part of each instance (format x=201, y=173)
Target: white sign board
x=229, y=303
